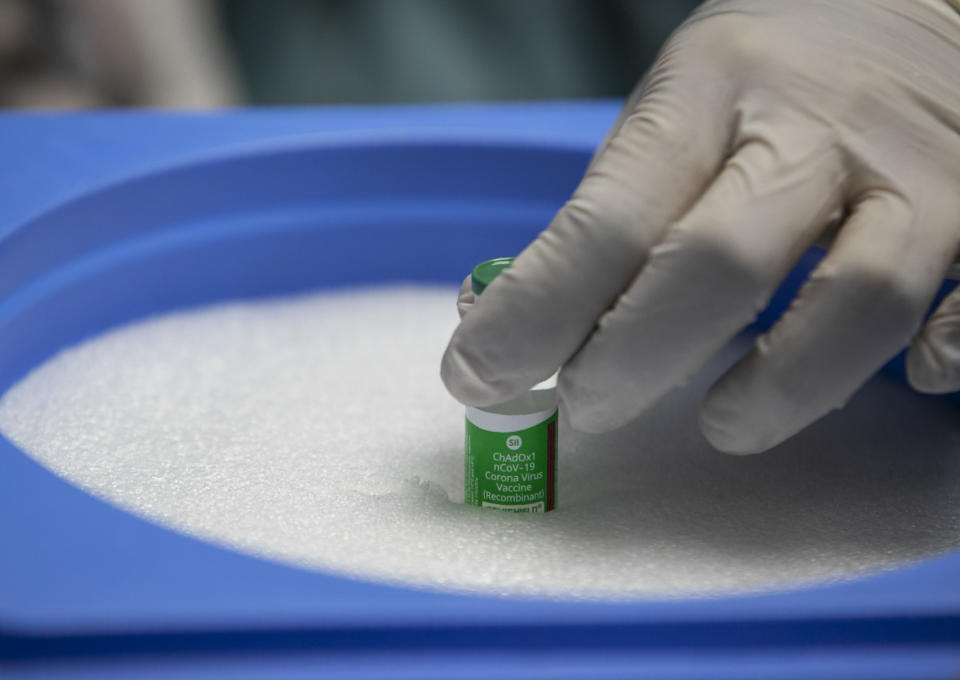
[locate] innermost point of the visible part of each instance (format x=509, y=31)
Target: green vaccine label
x=511, y=469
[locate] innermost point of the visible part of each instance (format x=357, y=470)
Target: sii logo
x=514, y=442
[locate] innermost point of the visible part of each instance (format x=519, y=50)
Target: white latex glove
x=762, y=124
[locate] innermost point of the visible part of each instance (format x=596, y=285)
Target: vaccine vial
x=511, y=448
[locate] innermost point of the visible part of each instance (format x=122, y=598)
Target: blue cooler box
x=108, y=217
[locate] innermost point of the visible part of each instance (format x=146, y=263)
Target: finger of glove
x=933, y=361
x=715, y=270
x=860, y=306
x=465, y=298
x=687, y=33
x=628, y=109
x=536, y=314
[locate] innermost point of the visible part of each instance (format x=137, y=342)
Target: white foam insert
x=315, y=431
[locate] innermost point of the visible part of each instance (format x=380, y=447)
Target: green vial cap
x=485, y=272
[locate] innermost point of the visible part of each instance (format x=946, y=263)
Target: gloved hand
x=763, y=124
